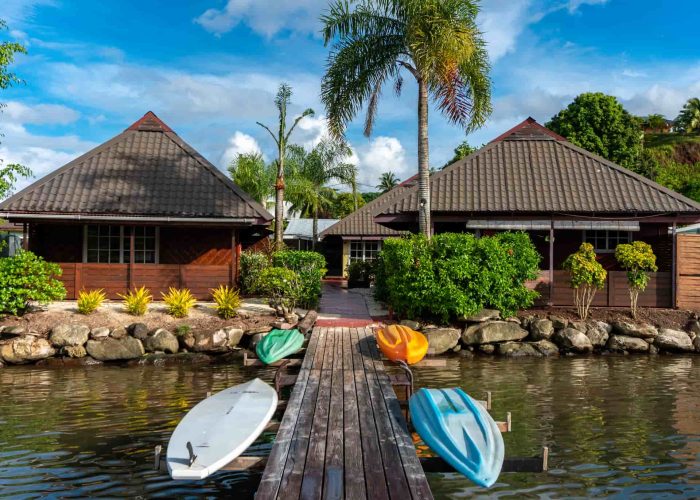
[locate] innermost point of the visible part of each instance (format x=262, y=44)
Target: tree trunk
x=315, y=229
x=279, y=198
x=423, y=161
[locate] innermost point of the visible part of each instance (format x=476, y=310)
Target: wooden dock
x=343, y=434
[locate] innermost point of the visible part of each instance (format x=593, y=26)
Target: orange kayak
x=400, y=343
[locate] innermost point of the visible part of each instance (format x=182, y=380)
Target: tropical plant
x=227, y=300
x=387, y=182
x=587, y=277
x=654, y=122
x=257, y=178
x=310, y=268
x=461, y=151
x=638, y=259
x=360, y=273
x=343, y=204
x=600, y=124
x=26, y=278
x=136, y=301
x=281, y=138
x=179, y=301
x=437, y=42
x=688, y=120
x=281, y=286
x=89, y=302
x=252, y=264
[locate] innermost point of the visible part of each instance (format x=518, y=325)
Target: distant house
x=534, y=180
x=144, y=208
x=299, y=233
x=10, y=238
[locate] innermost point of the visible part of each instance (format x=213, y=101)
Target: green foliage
x=89, y=302
x=281, y=286
x=25, y=277
x=688, y=120
x=227, y=301
x=387, y=182
x=136, y=301
x=454, y=275
x=371, y=196
x=179, y=301
x=462, y=151
x=310, y=268
x=361, y=273
x=250, y=172
x=674, y=164
x=343, y=204
x=638, y=259
x=252, y=264
x=598, y=123
x=587, y=276
x=181, y=330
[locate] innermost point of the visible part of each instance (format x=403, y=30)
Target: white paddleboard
x=219, y=429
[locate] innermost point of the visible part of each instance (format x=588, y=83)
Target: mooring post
x=156, y=457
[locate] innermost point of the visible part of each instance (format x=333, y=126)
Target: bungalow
x=144, y=208
x=299, y=233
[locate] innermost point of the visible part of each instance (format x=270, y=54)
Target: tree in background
x=655, y=122
x=387, y=182
x=250, y=172
x=371, y=196
x=598, y=123
x=638, y=259
x=435, y=41
x=11, y=173
x=281, y=138
x=688, y=120
x=461, y=151
x=343, y=204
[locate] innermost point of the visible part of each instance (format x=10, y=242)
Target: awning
x=544, y=225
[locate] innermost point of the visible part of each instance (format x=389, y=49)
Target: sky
x=210, y=69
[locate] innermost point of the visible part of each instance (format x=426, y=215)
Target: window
x=111, y=244
x=364, y=250
x=604, y=241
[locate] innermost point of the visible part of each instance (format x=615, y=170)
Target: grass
x=673, y=139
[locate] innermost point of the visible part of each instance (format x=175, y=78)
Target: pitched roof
x=530, y=169
x=304, y=228
x=147, y=170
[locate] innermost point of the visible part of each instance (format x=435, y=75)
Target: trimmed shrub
x=587, y=277
x=89, y=302
x=360, y=273
x=26, y=277
x=281, y=286
x=179, y=301
x=638, y=259
x=136, y=301
x=252, y=264
x=310, y=268
x=454, y=275
x=227, y=301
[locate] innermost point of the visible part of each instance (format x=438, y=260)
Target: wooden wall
x=688, y=271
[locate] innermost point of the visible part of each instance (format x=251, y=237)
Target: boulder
x=602, y=325
x=559, y=322
x=255, y=340
x=68, y=335
x=487, y=348
x=441, y=340
x=673, y=340
x=74, y=351
x=234, y=336
x=111, y=349
x=25, y=349
x=541, y=328
x=653, y=349
x=696, y=343
x=138, y=330
x=186, y=340
x=161, y=340
x=413, y=325
x=625, y=343
x=15, y=330
x=119, y=333
x=572, y=340
x=492, y=331
x=633, y=330
x=597, y=334
x=283, y=325
x=546, y=347
x=258, y=329
x=210, y=341
x=517, y=350
x=694, y=327
x=578, y=325
x=99, y=333
x=483, y=315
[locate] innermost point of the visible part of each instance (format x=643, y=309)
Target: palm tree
x=689, y=118
x=282, y=100
x=257, y=178
x=387, y=182
x=435, y=41
x=311, y=171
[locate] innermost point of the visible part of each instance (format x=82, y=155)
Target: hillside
x=673, y=160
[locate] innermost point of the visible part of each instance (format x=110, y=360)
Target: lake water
x=616, y=426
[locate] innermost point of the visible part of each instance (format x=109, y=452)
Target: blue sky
x=210, y=69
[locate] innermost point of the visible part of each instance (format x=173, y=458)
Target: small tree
x=587, y=277
x=638, y=259
x=26, y=278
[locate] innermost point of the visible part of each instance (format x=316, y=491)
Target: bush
x=454, y=275
x=181, y=330
x=179, y=302
x=252, y=264
x=26, y=277
x=227, y=301
x=136, y=301
x=310, y=268
x=638, y=260
x=360, y=273
x=89, y=302
x=281, y=286
x=587, y=277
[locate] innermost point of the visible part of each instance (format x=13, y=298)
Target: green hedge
x=310, y=266
x=454, y=275
x=252, y=265
x=281, y=286
x=26, y=277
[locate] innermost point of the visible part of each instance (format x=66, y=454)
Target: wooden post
x=132, y=247
x=78, y=281
x=234, y=260
x=674, y=266
x=550, y=302
x=25, y=236
x=239, y=248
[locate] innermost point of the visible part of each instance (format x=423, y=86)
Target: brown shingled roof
x=530, y=169
x=147, y=170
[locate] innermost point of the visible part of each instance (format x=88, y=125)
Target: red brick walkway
x=339, y=307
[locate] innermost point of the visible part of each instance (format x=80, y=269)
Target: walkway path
x=339, y=307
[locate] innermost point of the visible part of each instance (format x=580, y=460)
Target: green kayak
x=279, y=344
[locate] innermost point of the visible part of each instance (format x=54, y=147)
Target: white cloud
x=17, y=11
x=39, y=114
x=239, y=143
x=381, y=154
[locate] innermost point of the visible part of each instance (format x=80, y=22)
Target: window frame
x=363, y=250
x=607, y=232
x=124, y=244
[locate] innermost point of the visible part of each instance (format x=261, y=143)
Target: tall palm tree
x=282, y=100
x=257, y=178
x=435, y=41
x=387, y=182
x=311, y=171
x=689, y=118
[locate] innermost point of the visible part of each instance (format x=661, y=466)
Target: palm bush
x=89, y=302
x=179, y=301
x=136, y=301
x=227, y=300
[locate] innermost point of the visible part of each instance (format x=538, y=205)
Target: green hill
x=673, y=160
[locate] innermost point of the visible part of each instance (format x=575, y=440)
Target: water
x=616, y=426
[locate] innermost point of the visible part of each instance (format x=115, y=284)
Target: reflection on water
x=615, y=426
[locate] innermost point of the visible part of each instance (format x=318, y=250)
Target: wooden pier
x=343, y=434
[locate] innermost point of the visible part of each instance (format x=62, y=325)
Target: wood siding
x=688, y=271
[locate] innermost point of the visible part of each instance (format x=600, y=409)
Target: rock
x=243, y=314
x=67, y=335
x=559, y=322
x=111, y=349
x=306, y=324
x=483, y=315
x=546, y=347
x=517, y=350
x=258, y=329
x=694, y=327
x=441, y=340
x=291, y=317
x=283, y=325
x=466, y=354
x=696, y=343
x=653, y=349
x=119, y=333
x=25, y=349
x=74, y=351
x=138, y=330
x=487, y=348
x=572, y=340
x=161, y=340
x=633, y=330
x=578, y=325
x=527, y=320
x=413, y=325
x=255, y=340
x=457, y=348
x=597, y=335
x=99, y=333
x=186, y=340
x=210, y=341
x=492, y=331
x=625, y=343
x=14, y=330
x=673, y=340
x=541, y=328
x=602, y=325
x=233, y=335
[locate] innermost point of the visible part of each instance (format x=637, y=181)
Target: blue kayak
x=460, y=431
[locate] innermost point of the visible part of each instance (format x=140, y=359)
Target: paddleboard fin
x=190, y=450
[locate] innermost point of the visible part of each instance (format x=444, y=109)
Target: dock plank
x=354, y=470
x=333, y=480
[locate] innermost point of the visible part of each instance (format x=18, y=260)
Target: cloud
x=40, y=114
x=381, y=154
x=16, y=12
x=239, y=143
